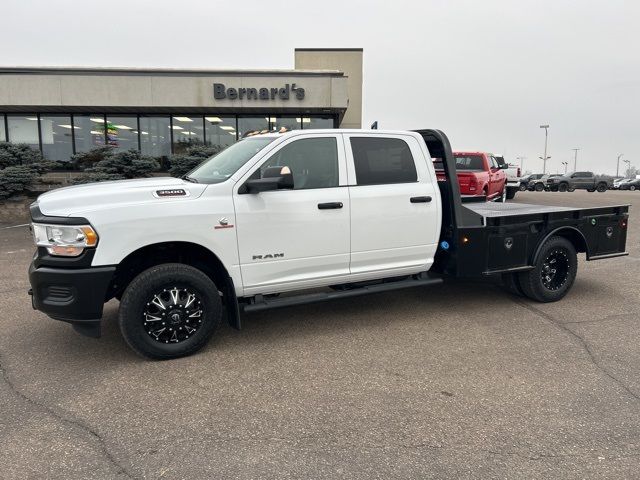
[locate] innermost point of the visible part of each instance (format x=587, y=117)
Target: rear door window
x=380, y=161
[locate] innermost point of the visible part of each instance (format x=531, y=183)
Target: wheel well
x=168, y=252
x=572, y=234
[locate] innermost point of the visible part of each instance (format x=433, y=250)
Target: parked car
x=619, y=181
x=632, y=184
x=513, y=176
x=357, y=211
x=537, y=182
x=579, y=180
x=479, y=175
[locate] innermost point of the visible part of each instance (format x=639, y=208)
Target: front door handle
x=329, y=205
x=420, y=199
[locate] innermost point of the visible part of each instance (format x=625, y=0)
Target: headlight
x=64, y=240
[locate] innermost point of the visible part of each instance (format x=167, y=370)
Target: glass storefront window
x=220, y=131
x=290, y=123
x=88, y=131
x=187, y=131
x=155, y=136
x=3, y=135
x=317, y=122
x=23, y=129
x=57, y=137
x=122, y=132
x=252, y=124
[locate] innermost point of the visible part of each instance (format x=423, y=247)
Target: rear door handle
x=420, y=199
x=329, y=205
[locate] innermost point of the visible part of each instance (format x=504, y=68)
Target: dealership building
x=159, y=111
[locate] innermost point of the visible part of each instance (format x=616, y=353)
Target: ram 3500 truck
x=319, y=214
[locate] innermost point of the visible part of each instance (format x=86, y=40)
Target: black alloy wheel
x=172, y=315
x=169, y=310
x=553, y=273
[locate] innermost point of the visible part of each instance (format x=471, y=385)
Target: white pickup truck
x=320, y=214
x=513, y=176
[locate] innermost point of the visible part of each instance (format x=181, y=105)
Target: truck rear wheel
x=170, y=310
x=554, y=272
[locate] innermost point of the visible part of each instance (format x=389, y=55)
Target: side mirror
x=273, y=178
x=504, y=166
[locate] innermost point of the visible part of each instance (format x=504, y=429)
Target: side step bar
x=262, y=303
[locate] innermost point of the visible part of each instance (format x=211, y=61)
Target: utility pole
x=618, y=165
x=575, y=159
x=565, y=166
x=545, y=158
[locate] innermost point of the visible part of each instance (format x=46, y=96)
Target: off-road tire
x=535, y=283
x=162, y=278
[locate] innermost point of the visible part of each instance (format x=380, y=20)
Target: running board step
x=266, y=304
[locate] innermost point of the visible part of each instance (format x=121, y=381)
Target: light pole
x=618, y=165
x=545, y=158
x=628, y=162
x=575, y=158
x=565, y=166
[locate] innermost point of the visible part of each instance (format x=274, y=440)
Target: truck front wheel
x=511, y=192
x=170, y=310
x=554, y=271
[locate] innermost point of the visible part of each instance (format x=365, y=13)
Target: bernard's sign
x=221, y=92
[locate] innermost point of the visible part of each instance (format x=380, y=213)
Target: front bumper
x=74, y=295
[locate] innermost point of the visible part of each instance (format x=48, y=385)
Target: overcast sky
x=488, y=73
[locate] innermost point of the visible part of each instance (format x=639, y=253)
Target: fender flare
x=574, y=231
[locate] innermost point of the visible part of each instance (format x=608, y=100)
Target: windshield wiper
x=190, y=179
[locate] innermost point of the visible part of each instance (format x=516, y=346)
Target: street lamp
x=565, y=166
x=618, y=165
x=545, y=158
x=575, y=159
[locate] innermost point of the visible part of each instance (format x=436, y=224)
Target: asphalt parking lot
x=460, y=380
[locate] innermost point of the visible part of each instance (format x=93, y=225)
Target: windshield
x=469, y=162
x=224, y=164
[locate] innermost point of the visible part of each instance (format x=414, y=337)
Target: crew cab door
x=295, y=238
x=395, y=210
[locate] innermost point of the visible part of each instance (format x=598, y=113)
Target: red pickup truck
x=479, y=174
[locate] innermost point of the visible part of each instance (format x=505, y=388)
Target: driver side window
x=313, y=162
